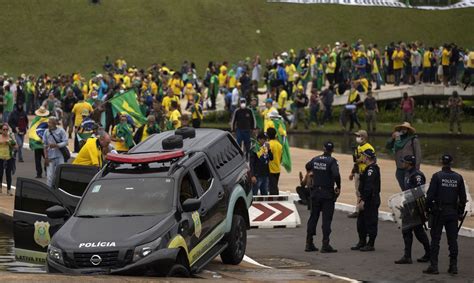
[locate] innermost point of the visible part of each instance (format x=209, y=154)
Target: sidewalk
x=300, y=157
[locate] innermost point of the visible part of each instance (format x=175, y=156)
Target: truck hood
x=106, y=233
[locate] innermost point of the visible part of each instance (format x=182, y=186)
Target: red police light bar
x=144, y=157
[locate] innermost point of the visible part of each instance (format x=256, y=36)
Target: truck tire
x=186, y=132
x=178, y=270
x=172, y=142
x=236, y=240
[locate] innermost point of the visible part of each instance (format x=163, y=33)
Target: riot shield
x=408, y=207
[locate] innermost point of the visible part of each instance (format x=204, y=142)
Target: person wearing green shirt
x=213, y=89
x=7, y=103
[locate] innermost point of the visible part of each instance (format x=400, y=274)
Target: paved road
x=280, y=247
x=284, y=249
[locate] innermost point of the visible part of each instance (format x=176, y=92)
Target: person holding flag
x=122, y=135
x=148, y=129
x=127, y=103
x=274, y=120
x=35, y=135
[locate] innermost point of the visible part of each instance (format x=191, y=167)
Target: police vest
x=449, y=183
x=322, y=175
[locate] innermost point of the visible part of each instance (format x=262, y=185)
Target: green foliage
x=58, y=36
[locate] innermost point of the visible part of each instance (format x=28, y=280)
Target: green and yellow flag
x=36, y=132
x=127, y=103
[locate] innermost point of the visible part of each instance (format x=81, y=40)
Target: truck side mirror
x=191, y=204
x=56, y=212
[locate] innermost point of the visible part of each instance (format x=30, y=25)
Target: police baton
x=462, y=220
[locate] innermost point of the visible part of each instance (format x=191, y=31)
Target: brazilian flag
x=127, y=103
x=36, y=132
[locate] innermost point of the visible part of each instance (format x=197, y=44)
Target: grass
x=57, y=36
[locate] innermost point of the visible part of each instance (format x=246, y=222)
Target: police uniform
x=367, y=220
x=323, y=196
x=414, y=178
x=446, y=201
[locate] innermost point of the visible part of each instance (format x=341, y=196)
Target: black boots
x=424, y=258
x=310, y=247
x=362, y=243
x=326, y=248
x=453, y=266
x=404, y=260
x=370, y=246
x=431, y=270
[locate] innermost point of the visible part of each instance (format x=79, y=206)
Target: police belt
x=319, y=188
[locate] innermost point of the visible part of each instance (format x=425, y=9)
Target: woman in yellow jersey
x=122, y=135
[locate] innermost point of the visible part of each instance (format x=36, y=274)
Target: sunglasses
x=4, y=129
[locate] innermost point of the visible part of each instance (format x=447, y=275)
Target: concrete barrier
x=274, y=212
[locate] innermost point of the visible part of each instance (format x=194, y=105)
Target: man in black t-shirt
x=67, y=104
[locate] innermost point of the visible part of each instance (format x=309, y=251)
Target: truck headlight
x=55, y=254
x=146, y=249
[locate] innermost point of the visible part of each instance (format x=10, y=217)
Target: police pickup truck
x=168, y=207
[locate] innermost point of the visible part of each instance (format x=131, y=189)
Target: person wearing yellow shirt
x=122, y=135
x=427, y=66
x=274, y=165
x=330, y=70
x=93, y=151
x=282, y=100
x=127, y=81
x=189, y=93
x=223, y=79
x=470, y=67
x=362, y=138
x=196, y=113
x=174, y=121
x=166, y=103
x=445, y=55
x=77, y=110
x=290, y=71
x=176, y=84
x=268, y=109
x=398, y=56
x=150, y=128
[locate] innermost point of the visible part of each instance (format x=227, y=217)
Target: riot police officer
x=369, y=189
x=325, y=170
x=445, y=201
x=413, y=178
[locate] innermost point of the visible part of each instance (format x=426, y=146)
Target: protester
x=274, y=165
x=408, y=108
x=7, y=101
x=174, y=119
x=77, y=111
x=196, y=113
x=122, y=135
x=260, y=157
x=148, y=129
x=7, y=160
x=455, y=105
x=68, y=103
x=94, y=151
x=243, y=123
x=18, y=121
x=371, y=109
x=314, y=107
x=404, y=142
x=54, y=139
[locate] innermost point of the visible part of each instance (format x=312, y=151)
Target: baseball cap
x=410, y=159
x=269, y=100
x=369, y=153
x=446, y=159
x=329, y=146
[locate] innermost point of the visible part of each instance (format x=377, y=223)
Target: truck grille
x=108, y=259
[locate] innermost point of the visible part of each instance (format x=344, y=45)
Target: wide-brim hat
x=407, y=126
x=42, y=112
x=273, y=114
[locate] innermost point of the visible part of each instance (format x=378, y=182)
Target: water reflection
x=7, y=256
x=432, y=148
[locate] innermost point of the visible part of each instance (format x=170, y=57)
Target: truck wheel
x=236, y=240
x=178, y=270
x=186, y=132
x=172, y=142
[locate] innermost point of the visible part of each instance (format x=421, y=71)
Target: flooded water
x=462, y=150
x=7, y=257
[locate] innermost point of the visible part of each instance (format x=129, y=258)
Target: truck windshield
x=127, y=197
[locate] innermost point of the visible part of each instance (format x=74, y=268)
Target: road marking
x=334, y=276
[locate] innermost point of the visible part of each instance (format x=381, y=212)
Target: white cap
x=284, y=54
x=279, y=61
x=337, y=43
x=5, y=83
x=273, y=114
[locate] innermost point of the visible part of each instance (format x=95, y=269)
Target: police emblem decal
x=197, y=224
x=41, y=235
